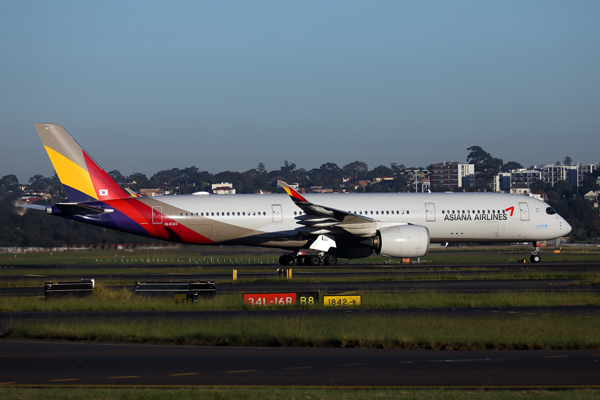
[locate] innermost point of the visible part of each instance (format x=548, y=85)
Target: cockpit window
x=550, y=211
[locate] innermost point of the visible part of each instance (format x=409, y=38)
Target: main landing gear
x=308, y=259
x=535, y=255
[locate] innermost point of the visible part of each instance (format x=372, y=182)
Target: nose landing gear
x=308, y=259
x=535, y=255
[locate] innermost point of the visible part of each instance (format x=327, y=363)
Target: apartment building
x=450, y=173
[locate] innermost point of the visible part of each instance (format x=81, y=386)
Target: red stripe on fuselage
x=142, y=214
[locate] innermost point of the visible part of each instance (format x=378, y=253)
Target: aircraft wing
x=319, y=220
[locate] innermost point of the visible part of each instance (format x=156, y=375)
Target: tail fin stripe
x=71, y=174
x=106, y=188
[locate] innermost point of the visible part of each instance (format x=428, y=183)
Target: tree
x=116, y=176
x=8, y=184
x=356, y=168
x=478, y=157
x=39, y=183
x=261, y=168
x=382, y=170
x=486, y=166
x=397, y=168
x=564, y=189
x=568, y=160
x=511, y=165
x=589, y=184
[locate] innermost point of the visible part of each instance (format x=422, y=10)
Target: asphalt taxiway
x=47, y=363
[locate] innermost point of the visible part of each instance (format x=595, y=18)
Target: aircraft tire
x=302, y=260
x=313, y=259
x=535, y=258
x=330, y=259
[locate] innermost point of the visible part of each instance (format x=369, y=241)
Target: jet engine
x=402, y=241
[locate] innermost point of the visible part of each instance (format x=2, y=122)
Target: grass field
x=354, y=330
x=106, y=299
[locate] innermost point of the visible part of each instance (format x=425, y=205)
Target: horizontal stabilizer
x=80, y=209
x=39, y=207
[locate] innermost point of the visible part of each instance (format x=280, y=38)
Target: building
x=520, y=188
x=574, y=174
x=30, y=196
x=527, y=176
x=150, y=192
x=222, y=188
x=593, y=197
x=450, y=174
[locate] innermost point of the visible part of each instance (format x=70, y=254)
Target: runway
x=344, y=271
x=45, y=363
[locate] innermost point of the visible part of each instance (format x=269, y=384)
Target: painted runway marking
x=243, y=370
x=189, y=373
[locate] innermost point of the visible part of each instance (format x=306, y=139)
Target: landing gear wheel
x=330, y=259
x=313, y=259
x=535, y=256
x=302, y=260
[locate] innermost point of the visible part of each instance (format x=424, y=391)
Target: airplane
x=313, y=229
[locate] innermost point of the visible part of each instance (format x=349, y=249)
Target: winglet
x=296, y=197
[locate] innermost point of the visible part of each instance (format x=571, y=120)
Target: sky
x=145, y=86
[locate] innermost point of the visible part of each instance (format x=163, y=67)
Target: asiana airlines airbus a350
x=313, y=229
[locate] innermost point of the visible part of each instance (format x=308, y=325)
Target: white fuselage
x=449, y=217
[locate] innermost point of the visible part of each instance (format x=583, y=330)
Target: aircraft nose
x=566, y=227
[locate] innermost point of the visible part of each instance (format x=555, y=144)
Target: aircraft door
x=430, y=212
x=524, y=211
x=157, y=216
x=277, y=214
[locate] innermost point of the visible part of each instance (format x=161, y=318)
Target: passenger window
x=407, y=212
x=181, y=214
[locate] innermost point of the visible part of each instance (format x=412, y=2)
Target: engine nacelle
x=402, y=241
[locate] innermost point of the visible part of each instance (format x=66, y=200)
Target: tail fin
x=81, y=177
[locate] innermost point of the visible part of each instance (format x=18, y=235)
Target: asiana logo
x=476, y=217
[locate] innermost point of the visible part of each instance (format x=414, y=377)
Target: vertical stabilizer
x=81, y=177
